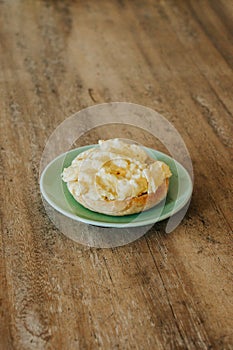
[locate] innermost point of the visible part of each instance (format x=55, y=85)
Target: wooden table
x=163, y=291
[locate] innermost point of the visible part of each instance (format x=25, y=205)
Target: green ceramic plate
x=55, y=192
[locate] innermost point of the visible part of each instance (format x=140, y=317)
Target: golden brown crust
x=128, y=206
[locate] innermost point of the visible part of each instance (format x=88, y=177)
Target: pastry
x=117, y=178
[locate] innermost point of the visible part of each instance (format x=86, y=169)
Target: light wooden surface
x=164, y=291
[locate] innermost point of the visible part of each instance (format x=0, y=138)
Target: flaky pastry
x=117, y=178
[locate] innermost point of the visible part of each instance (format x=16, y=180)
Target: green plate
x=55, y=192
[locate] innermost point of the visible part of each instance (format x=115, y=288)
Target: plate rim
x=109, y=224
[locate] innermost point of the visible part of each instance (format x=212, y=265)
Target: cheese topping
x=115, y=170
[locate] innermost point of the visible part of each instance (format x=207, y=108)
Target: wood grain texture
x=164, y=291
